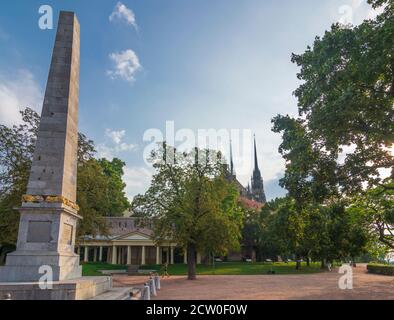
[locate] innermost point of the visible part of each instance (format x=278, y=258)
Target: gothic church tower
x=257, y=187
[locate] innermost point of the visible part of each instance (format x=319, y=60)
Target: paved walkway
x=321, y=286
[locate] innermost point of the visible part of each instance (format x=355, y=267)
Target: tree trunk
x=323, y=264
x=191, y=262
x=308, y=262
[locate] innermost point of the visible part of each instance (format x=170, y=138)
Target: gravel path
x=321, y=286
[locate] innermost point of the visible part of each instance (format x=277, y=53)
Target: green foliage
x=336, y=149
x=116, y=196
x=191, y=202
x=375, y=209
x=347, y=97
x=381, y=269
x=16, y=150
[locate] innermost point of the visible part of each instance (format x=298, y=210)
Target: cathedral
x=255, y=189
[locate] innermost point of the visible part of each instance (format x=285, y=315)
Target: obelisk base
x=45, y=248
x=79, y=289
x=31, y=266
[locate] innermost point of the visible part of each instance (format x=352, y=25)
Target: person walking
x=165, y=271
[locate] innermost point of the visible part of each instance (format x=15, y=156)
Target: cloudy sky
x=197, y=65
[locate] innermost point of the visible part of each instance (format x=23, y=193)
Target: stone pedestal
x=79, y=289
x=46, y=239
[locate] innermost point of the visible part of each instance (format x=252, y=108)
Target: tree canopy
x=339, y=150
x=345, y=127
x=191, y=202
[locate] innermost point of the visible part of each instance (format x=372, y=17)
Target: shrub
x=381, y=269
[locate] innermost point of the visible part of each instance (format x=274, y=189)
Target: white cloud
x=117, y=145
x=121, y=12
x=137, y=180
x=116, y=136
x=16, y=93
x=356, y=11
x=126, y=64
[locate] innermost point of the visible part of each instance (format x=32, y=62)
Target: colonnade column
x=143, y=256
x=101, y=254
x=114, y=255
x=128, y=255
x=158, y=255
x=172, y=255
x=86, y=254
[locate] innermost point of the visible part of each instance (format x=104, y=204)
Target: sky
x=172, y=66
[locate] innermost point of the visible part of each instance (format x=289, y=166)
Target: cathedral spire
x=256, y=163
x=257, y=187
x=231, y=159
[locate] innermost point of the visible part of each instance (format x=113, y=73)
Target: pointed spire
x=256, y=164
x=231, y=159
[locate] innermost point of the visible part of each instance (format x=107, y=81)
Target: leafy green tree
x=346, y=100
x=116, y=195
x=376, y=212
x=191, y=202
x=16, y=150
x=260, y=231
x=339, y=144
x=92, y=189
x=288, y=228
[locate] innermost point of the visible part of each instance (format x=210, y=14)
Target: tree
x=376, y=211
x=113, y=170
x=190, y=202
x=347, y=97
x=92, y=189
x=287, y=228
x=16, y=150
x=339, y=145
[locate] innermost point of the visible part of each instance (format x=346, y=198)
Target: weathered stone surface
x=80, y=289
x=57, y=154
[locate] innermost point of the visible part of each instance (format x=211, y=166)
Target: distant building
x=252, y=197
x=255, y=190
x=129, y=242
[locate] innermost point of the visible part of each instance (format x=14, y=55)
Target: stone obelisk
x=49, y=213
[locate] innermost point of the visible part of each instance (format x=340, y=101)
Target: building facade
x=128, y=243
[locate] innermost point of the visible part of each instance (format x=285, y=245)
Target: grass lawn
x=91, y=269
x=222, y=268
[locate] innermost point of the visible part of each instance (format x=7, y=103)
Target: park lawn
x=222, y=268
x=92, y=269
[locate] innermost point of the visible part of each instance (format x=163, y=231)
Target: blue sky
x=221, y=64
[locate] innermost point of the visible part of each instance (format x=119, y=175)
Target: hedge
x=386, y=270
